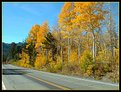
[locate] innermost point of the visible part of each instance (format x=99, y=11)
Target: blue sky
x=18, y=18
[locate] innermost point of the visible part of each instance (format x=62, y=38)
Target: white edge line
x=3, y=86
x=88, y=80
x=94, y=81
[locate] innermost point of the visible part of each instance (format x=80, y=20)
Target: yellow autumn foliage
x=103, y=56
x=86, y=16
x=24, y=62
x=66, y=16
x=86, y=62
x=43, y=30
x=73, y=57
x=40, y=61
x=55, y=66
x=116, y=58
x=89, y=70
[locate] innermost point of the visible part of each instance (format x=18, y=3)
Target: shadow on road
x=14, y=71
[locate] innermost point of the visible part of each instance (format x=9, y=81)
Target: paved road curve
x=19, y=78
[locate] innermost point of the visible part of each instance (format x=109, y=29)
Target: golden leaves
x=73, y=57
x=89, y=14
x=28, y=40
x=86, y=15
x=40, y=61
x=33, y=34
x=43, y=29
x=37, y=33
x=66, y=16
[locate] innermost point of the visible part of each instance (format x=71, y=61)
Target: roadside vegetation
x=84, y=43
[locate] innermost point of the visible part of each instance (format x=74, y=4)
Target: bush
x=98, y=70
x=112, y=77
x=103, y=56
x=103, y=64
x=55, y=66
x=86, y=63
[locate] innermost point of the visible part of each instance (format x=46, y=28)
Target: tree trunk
x=46, y=56
x=79, y=50
x=62, y=56
x=94, y=50
x=68, y=49
x=112, y=45
x=112, y=50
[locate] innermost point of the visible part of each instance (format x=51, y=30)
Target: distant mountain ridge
x=6, y=46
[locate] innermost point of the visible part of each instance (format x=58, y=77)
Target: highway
x=19, y=78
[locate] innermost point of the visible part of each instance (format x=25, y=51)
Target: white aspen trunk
x=68, y=50
x=79, y=53
x=62, y=56
x=112, y=50
x=46, y=56
x=94, y=54
x=79, y=50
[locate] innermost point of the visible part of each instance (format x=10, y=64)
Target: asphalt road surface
x=19, y=78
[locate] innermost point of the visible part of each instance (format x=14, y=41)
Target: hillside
x=5, y=48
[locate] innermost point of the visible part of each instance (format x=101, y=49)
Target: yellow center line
x=50, y=83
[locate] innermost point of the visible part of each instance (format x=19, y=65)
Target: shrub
x=55, y=66
x=86, y=63
x=103, y=56
x=98, y=70
x=103, y=64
